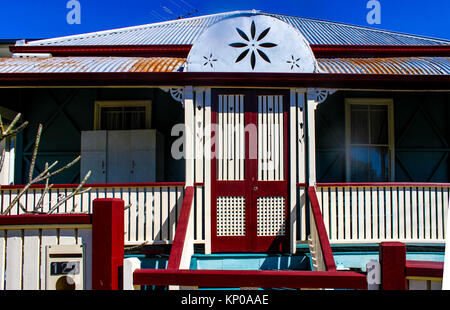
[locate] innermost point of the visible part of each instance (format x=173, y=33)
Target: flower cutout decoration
x=293, y=62
x=253, y=45
x=209, y=60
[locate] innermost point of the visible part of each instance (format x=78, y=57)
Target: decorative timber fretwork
x=320, y=95
x=177, y=93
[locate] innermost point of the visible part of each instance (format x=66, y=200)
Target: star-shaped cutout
x=209, y=60
x=252, y=44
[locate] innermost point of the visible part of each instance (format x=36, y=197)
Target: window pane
x=379, y=124
x=369, y=164
x=122, y=118
x=379, y=164
x=359, y=159
x=359, y=124
x=111, y=118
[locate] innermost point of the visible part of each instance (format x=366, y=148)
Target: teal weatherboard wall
x=65, y=112
x=421, y=130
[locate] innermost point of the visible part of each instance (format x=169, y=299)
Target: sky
x=39, y=19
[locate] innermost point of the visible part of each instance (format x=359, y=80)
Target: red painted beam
x=45, y=219
x=222, y=79
x=365, y=81
x=321, y=230
x=424, y=269
x=180, y=235
x=107, y=50
x=393, y=259
x=107, y=243
x=251, y=278
x=338, y=51
x=179, y=50
x=385, y=184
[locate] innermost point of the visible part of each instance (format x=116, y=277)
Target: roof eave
x=221, y=79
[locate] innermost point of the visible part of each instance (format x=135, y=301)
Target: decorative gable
x=255, y=43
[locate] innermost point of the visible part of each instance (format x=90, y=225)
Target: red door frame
x=250, y=242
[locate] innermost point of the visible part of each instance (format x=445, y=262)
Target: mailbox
x=65, y=267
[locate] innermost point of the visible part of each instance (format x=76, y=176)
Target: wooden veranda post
x=393, y=263
x=107, y=243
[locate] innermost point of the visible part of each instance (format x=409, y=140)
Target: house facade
x=250, y=109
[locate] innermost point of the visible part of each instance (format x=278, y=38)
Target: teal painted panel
x=64, y=113
x=252, y=262
x=421, y=129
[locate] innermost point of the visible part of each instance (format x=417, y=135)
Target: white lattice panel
x=271, y=216
x=230, y=216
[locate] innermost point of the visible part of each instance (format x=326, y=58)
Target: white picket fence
x=378, y=212
x=23, y=256
x=151, y=218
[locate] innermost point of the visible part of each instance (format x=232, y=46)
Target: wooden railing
x=374, y=212
x=183, y=246
x=321, y=254
x=152, y=209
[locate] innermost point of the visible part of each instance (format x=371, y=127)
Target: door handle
x=103, y=166
x=132, y=166
x=255, y=188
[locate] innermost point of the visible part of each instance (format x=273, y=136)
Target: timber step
x=241, y=261
x=250, y=261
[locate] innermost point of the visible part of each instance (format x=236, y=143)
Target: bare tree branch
x=43, y=176
x=35, y=149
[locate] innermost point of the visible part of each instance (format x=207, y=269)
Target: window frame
x=389, y=102
x=98, y=105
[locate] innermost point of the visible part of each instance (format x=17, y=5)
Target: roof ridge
x=392, y=35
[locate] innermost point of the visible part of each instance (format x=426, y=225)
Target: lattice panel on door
x=230, y=216
x=271, y=216
x=270, y=138
x=231, y=138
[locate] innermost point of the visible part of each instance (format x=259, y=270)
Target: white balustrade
x=378, y=212
x=152, y=210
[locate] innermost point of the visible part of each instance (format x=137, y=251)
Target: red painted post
x=107, y=243
x=393, y=265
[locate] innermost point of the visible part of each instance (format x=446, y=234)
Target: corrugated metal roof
x=393, y=65
x=396, y=65
x=185, y=31
x=90, y=64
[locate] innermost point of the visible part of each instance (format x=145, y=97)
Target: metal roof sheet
x=393, y=65
x=90, y=64
x=185, y=31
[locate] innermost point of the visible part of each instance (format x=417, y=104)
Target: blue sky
x=29, y=19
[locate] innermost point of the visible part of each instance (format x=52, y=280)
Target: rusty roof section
x=90, y=64
x=391, y=66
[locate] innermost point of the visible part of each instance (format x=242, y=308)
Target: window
x=369, y=140
x=122, y=115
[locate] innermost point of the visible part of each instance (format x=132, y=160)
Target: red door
x=249, y=171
